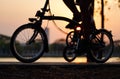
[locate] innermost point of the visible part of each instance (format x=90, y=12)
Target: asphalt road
x=59, y=70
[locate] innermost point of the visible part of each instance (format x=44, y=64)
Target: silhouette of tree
x=58, y=45
x=103, y=5
x=4, y=45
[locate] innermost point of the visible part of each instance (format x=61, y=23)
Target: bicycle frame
x=41, y=16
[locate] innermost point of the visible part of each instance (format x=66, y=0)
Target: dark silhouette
x=86, y=15
x=76, y=14
x=29, y=45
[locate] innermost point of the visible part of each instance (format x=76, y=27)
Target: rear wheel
x=101, y=46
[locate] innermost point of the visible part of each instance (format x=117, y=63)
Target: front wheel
x=27, y=44
x=101, y=46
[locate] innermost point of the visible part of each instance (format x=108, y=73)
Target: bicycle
x=98, y=48
x=29, y=41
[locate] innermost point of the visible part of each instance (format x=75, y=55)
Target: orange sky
x=14, y=13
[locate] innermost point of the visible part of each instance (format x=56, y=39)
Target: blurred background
x=14, y=13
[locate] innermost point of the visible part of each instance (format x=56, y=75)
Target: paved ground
x=59, y=70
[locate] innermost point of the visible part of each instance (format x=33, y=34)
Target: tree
x=103, y=5
x=4, y=45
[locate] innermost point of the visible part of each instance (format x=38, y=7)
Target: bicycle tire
x=101, y=50
x=24, y=51
x=69, y=53
x=71, y=39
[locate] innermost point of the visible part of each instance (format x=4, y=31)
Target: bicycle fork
x=38, y=30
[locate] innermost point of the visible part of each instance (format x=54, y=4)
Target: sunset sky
x=14, y=13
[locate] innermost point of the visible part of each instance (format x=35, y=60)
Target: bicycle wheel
x=101, y=46
x=27, y=44
x=71, y=39
x=69, y=53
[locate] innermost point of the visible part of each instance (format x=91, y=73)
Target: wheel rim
x=102, y=51
x=25, y=50
x=69, y=54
